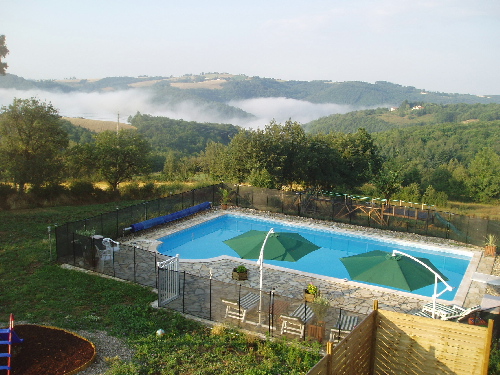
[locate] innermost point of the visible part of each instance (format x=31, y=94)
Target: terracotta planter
x=490, y=250
x=309, y=297
x=240, y=275
x=316, y=332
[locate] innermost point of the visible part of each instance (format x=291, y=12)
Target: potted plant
x=240, y=273
x=225, y=198
x=320, y=308
x=311, y=292
x=490, y=245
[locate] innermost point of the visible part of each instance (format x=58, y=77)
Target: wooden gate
x=168, y=280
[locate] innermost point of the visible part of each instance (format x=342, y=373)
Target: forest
x=417, y=152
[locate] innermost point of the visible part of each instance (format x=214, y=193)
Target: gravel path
x=107, y=347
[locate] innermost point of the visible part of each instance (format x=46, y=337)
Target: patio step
x=485, y=278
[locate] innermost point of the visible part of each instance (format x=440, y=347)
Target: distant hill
x=163, y=133
x=406, y=115
x=183, y=137
x=212, y=88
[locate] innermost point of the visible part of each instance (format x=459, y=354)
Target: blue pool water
x=205, y=240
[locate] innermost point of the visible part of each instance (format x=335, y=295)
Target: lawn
x=37, y=290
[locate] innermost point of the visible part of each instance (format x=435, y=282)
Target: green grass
x=37, y=290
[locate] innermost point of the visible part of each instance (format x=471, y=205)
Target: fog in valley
x=107, y=106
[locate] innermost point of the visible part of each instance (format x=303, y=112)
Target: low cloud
x=107, y=106
x=283, y=109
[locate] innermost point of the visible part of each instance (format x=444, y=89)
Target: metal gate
x=168, y=280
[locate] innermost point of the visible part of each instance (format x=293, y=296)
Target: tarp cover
x=170, y=217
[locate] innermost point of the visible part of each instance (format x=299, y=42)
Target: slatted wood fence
x=387, y=342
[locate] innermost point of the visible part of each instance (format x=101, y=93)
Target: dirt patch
x=48, y=351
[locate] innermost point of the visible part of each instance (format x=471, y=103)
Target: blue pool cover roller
x=170, y=217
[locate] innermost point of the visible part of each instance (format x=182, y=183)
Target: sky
x=437, y=45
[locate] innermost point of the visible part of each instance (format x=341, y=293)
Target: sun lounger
x=442, y=311
x=239, y=309
x=344, y=325
x=423, y=314
x=463, y=313
x=295, y=323
x=447, y=312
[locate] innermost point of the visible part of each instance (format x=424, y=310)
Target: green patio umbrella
x=281, y=246
x=397, y=270
x=381, y=267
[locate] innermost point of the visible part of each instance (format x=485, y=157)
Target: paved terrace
x=349, y=295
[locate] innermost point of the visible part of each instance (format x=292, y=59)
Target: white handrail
x=436, y=277
x=260, y=262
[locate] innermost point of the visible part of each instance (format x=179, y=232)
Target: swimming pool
x=205, y=240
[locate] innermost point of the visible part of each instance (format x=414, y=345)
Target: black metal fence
x=112, y=224
x=339, y=208
x=342, y=208
x=219, y=301
x=78, y=243
x=126, y=262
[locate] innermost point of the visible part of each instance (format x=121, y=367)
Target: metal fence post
x=237, y=195
x=117, y=221
x=210, y=296
x=184, y=292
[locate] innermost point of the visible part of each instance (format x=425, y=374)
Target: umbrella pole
x=260, y=290
x=434, y=296
x=261, y=263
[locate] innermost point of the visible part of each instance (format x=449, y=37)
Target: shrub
x=48, y=192
x=81, y=188
x=134, y=191
x=6, y=191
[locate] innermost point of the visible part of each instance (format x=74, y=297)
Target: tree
x=484, y=171
x=171, y=165
x=410, y=193
x=120, y=156
x=360, y=157
x=3, y=52
x=32, y=143
x=434, y=197
x=388, y=183
x=321, y=163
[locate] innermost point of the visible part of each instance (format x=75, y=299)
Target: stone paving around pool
x=349, y=295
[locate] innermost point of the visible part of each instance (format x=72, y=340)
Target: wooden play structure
x=345, y=206
x=8, y=337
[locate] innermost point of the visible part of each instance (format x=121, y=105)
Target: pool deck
x=349, y=295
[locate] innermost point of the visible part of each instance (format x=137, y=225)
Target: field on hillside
x=97, y=125
x=211, y=84
x=491, y=211
x=406, y=120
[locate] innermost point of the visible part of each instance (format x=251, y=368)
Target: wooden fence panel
x=408, y=344
x=352, y=356
x=321, y=368
x=388, y=342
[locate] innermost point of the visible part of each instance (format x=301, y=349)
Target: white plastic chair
x=103, y=255
x=111, y=244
